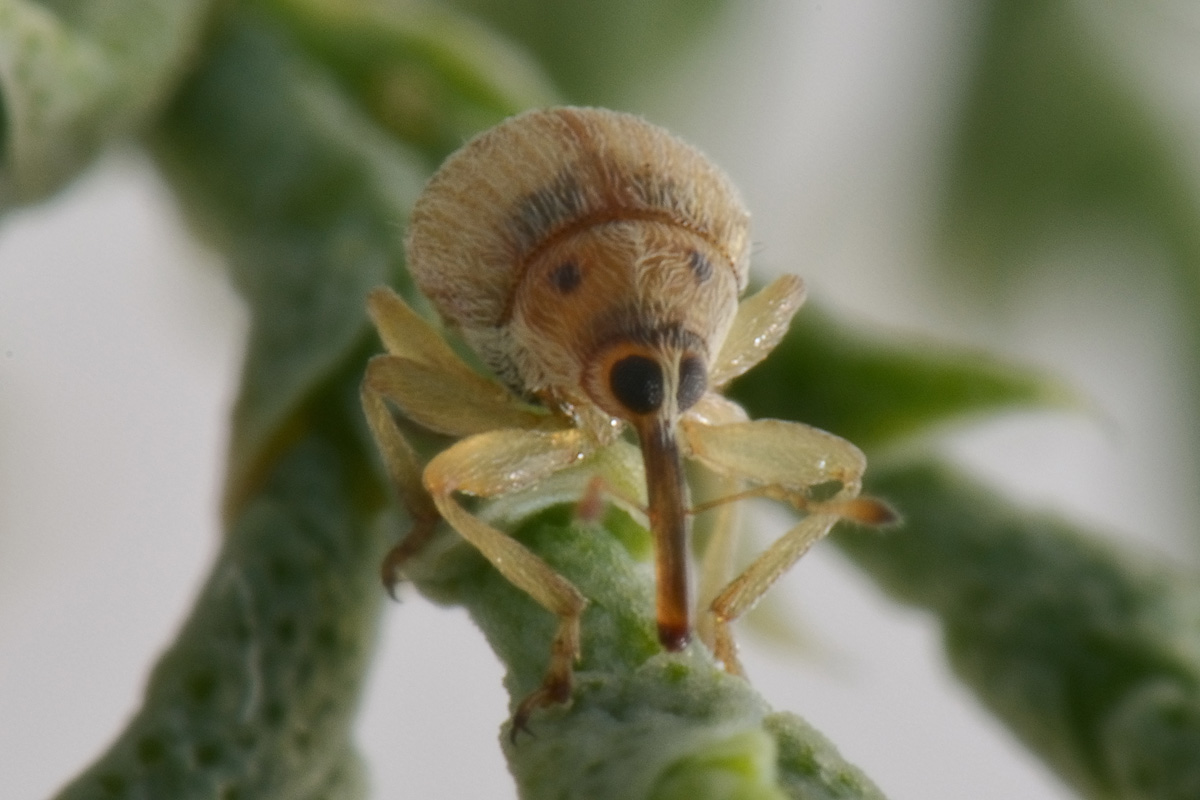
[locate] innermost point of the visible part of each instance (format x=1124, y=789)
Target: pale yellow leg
x=761, y=322
x=497, y=463
x=717, y=522
x=741, y=594
x=429, y=384
x=404, y=473
x=785, y=459
x=719, y=530
x=439, y=398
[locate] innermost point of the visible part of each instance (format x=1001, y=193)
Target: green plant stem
x=76, y=76
x=256, y=697
x=1089, y=653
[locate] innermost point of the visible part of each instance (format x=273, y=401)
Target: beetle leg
x=404, y=473
x=431, y=385
x=497, y=463
x=719, y=533
x=761, y=322
x=786, y=459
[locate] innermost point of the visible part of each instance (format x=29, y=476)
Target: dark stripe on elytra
x=540, y=212
x=701, y=266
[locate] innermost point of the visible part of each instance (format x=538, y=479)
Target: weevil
x=594, y=263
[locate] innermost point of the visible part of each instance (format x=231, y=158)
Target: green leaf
x=76, y=75
x=875, y=391
x=642, y=723
x=431, y=76
x=257, y=696
x=597, y=50
x=1089, y=653
x=307, y=198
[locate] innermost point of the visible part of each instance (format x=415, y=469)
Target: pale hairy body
x=594, y=262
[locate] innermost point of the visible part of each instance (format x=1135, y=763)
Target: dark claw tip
x=520, y=724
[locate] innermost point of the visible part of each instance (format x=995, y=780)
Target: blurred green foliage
x=297, y=133
x=597, y=51
x=1089, y=652
x=1057, y=141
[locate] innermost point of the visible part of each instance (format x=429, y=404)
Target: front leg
x=761, y=322
x=785, y=460
x=498, y=463
x=423, y=378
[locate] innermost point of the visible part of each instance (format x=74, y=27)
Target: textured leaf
x=876, y=392
x=307, y=198
x=74, y=76
x=1089, y=653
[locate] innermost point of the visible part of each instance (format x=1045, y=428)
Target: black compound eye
x=637, y=383
x=693, y=380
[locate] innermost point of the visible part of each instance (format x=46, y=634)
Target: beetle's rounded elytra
x=560, y=230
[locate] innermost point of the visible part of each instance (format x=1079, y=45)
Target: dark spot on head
x=637, y=383
x=693, y=380
x=700, y=265
x=566, y=277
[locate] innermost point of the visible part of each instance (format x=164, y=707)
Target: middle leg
x=784, y=460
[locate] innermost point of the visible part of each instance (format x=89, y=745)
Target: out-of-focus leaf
x=431, y=76
x=1090, y=654
x=74, y=75
x=257, y=696
x=307, y=198
x=596, y=50
x=642, y=723
x=1052, y=141
x=875, y=392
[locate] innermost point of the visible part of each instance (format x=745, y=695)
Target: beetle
x=594, y=263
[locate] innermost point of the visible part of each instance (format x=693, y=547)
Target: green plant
x=296, y=134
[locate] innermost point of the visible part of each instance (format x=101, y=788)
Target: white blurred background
x=120, y=343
